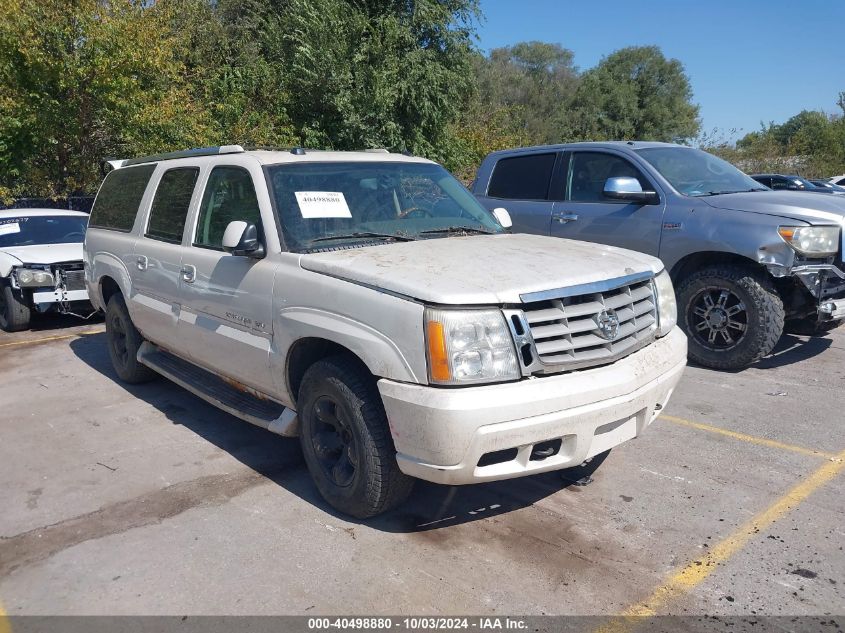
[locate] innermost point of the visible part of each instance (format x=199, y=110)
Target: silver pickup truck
x=368, y=303
x=743, y=258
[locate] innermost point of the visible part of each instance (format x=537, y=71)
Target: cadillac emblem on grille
x=608, y=323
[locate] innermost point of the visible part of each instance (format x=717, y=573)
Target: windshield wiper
x=719, y=193
x=456, y=229
x=357, y=234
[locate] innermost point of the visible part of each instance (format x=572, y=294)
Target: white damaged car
x=41, y=264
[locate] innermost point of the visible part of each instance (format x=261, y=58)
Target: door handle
x=563, y=218
x=189, y=273
x=141, y=262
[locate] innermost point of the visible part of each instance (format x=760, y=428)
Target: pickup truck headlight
x=816, y=241
x=469, y=346
x=31, y=277
x=667, y=305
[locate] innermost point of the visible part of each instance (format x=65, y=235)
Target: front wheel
x=732, y=316
x=346, y=440
x=14, y=312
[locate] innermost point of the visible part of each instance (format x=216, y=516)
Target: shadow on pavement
x=429, y=507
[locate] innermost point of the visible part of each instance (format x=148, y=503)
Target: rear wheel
x=123, y=343
x=732, y=316
x=14, y=312
x=346, y=440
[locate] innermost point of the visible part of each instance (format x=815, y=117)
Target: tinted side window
x=170, y=205
x=522, y=177
x=119, y=196
x=229, y=196
x=840, y=182
x=588, y=172
x=779, y=183
x=764, y=181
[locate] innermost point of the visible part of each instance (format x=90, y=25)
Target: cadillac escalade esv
x=366, y=302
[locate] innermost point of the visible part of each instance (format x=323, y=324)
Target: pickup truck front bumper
x=441, y=434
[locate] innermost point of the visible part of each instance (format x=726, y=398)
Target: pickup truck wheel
x=346, y=440
x=733, y=316
x=14, y=312
x=123, y=343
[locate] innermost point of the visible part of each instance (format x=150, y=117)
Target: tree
x=84, y=80
x=634, y=93
x=532, y=81
x=380, y=73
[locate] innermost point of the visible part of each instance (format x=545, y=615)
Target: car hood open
x=480, y=269
x=812, y=208
x=45, y=253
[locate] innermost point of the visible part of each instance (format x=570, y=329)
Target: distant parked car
x=824, y=184
x=743, y=258
x=40, y=264
x=780, y=182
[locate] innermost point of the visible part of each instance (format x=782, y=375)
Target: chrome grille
x=565, y=333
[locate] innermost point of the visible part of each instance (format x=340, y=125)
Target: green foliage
x=83, y=80
x=634, y=93
x=810, y=143
x=533, y=81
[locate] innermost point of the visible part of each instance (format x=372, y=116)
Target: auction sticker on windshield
x=9, y=228
x=322, y=204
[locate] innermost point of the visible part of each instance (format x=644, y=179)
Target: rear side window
x=170, y=205
x=229, y=196
x=522, y=177
x=119, y=197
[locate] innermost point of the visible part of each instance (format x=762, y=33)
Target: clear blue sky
x=748, y=61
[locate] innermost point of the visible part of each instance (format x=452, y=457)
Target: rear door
x=585, y=213
x=227, y=315
x=522, y=185
x=156, y=300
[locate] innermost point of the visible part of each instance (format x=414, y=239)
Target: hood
x=797, y=205
x=45, y=253
x=479, y=269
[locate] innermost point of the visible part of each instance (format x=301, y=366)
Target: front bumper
x=441, y=434
x=58, y=296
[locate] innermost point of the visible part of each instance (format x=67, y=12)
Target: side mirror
x=241, y=238
x=503, y=217
x=626, y=188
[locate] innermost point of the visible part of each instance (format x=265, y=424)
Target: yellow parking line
x=760, y=441
x=5, y=627
x=53, y=338
x=694, y=573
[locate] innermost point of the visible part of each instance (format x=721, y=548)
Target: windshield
x=693, y=172
x=324, y=205
x=42, y=229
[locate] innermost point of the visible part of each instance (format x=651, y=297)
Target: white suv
x=366, y=302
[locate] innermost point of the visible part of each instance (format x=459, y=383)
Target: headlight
x=667, y=306
x=819, y=241
x=32, y=277
x=469, y=346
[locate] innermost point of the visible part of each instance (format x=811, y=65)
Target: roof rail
x=185, y=153
x=377, y=150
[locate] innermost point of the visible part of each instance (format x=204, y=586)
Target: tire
x=123, y=341
x=739, y=324
x=346, y=441
x=14, y=312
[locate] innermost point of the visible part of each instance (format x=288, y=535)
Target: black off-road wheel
x=123, y=341
x=346, y=440
x=732, y=316
x=14, y=311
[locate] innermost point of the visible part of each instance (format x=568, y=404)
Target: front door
x=156, y=300
x=227, y=316
x=587, y=214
